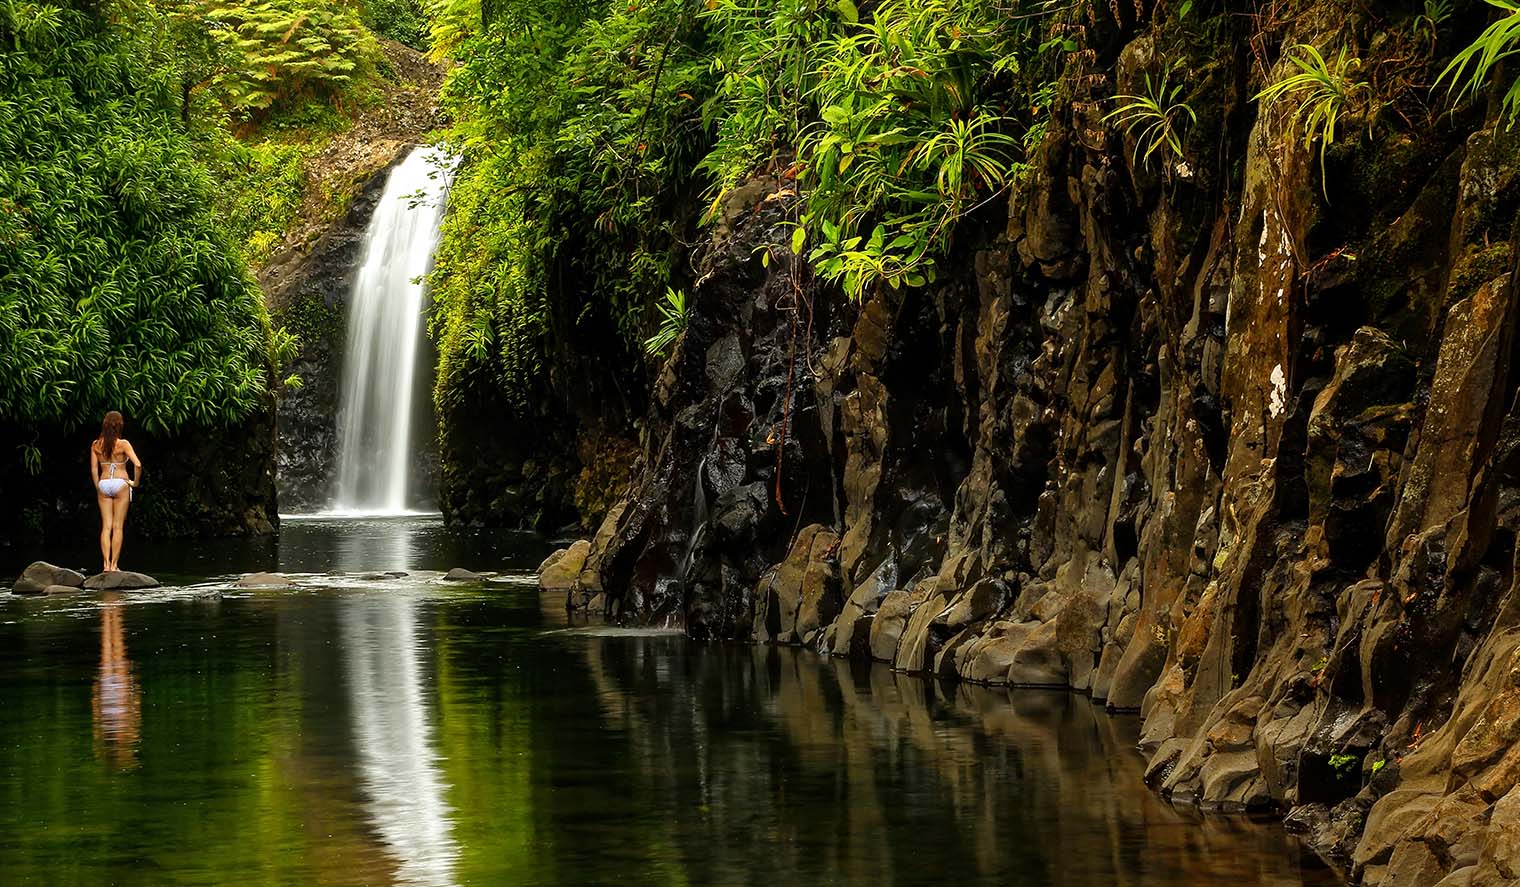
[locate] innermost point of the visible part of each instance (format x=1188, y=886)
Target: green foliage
x=1435, y=15
x=896, y=120
x=674, y=314
x=404, y=21
x=1378, y=765
x=118, y=286
x=580, y=135
x=1470, y=70
x=1343, y=764
x=288, y=51
x=1326, y=91
x=263, y=188
x=1153, y=118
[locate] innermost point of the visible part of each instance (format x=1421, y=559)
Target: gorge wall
x=1213, y=439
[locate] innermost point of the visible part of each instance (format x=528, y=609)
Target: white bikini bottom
x=111, y=487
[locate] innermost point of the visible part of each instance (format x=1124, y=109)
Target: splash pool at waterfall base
x=413, y=732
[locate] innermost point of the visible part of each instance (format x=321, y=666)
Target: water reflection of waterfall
x=394, y=734
x=384, y=328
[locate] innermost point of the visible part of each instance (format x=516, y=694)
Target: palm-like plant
x=674, y=314
x=1470, y=69
x=1154, y=118
x=1326, y=91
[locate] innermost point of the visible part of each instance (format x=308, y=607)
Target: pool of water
x=416, y=733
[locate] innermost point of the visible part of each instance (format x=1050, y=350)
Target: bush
x=118, y=286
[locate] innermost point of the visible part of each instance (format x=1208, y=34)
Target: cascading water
x=384, y=328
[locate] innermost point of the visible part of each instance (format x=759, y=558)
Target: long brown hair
x=110, y=433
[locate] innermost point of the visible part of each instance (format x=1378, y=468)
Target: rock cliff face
x=1205, y=440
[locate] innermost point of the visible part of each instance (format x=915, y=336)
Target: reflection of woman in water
x=118, y=700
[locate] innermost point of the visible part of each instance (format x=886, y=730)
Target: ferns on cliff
x=118, y=287
x=288, y=49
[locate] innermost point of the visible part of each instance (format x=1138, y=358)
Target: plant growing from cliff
x=896, y=117
x=1470, y=70
x=1343, y=764
x=674, y=314
x=1153, y=118
x=1325, y=90
x=1435, y=15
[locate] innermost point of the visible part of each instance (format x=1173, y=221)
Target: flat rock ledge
x=44, y=578
x=120, y=580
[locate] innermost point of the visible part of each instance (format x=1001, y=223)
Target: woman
x=109, y=455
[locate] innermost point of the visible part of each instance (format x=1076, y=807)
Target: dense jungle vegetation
x=149, y=154
x=152, y=152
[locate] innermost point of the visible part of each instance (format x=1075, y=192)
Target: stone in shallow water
x=460, y=574
x=36, y=578
x=61, y=589
x=121, y=580
x=264, y=580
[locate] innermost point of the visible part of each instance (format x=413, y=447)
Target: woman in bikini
x=109, y=455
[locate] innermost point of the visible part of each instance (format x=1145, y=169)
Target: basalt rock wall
x=1217, y=438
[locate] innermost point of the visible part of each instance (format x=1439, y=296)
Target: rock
x=1038, y=661
x=264, y=580
x=120, y=580
x=887, y=626
x=61, y=589
x=554, y=557
x=458, y=574
x=561, y=570
x=36, y=578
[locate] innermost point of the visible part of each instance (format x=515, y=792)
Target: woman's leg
x=107, y=518
x=119, y=520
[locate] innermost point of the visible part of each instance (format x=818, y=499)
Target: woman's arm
x=137, y=471
x=94, y=465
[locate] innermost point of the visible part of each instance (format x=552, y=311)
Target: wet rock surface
x=120, y=580
x=41, y=577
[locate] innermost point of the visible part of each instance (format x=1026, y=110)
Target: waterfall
x=384, y=329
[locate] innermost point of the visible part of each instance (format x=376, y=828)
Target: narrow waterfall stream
x=384, y=331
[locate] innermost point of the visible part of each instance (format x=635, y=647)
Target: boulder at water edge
x=120, y=580
x=561, y=569
x=460, y=574
x=39, y=576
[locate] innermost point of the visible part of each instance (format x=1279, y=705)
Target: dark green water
x=419, y=734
